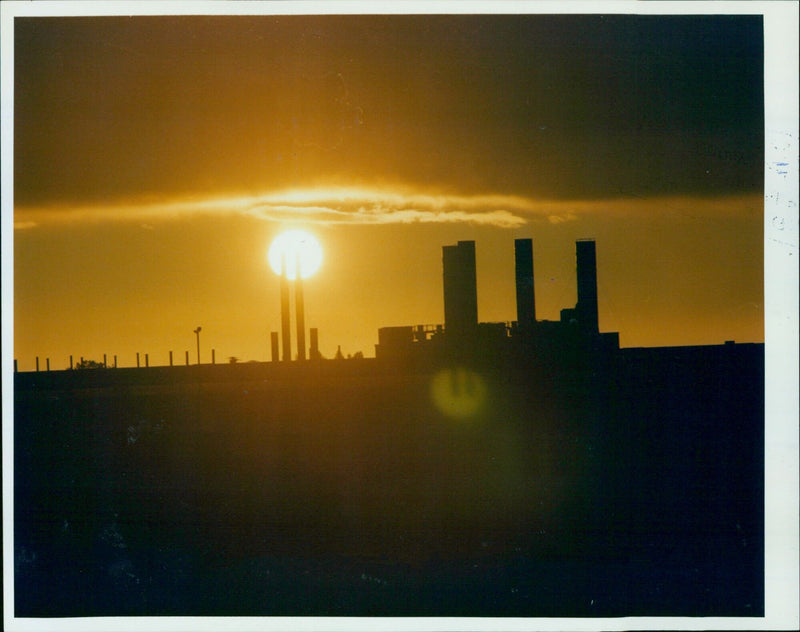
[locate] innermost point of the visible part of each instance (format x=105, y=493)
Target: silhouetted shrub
x=90, y=364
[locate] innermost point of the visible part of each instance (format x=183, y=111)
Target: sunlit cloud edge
x=354, y=206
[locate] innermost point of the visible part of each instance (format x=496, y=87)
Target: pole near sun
x=300, y=311
x=285, y=318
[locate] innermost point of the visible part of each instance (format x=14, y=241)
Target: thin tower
x=300, y=309
x=285, y=317
x=526, y=297
x=586, y=309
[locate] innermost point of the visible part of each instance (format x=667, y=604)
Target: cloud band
x=329, y=206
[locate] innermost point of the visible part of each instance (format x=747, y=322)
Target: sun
x=294, y=247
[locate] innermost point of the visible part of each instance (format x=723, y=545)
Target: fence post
x=273, y=338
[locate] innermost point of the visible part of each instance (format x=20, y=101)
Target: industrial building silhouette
x=462, y=334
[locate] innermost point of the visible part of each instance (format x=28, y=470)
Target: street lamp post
x=197, y=333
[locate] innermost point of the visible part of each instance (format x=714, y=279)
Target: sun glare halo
x=295, y=247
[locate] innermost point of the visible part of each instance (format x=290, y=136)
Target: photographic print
x=413, y=314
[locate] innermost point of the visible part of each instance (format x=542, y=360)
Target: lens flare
x=458, y=393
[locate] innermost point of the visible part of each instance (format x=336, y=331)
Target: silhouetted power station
x=461, y=335
x=578, y=327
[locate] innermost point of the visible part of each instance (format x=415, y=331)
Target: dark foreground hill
x=625, y=485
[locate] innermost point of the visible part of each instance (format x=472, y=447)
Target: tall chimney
x=300, y=309
x=285, y=318
x=460, y=289
x=314, y=351
x=526, y=297
x=587, y=284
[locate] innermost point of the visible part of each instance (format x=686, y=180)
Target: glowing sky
x=155, y=158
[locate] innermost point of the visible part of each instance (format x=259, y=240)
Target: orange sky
x=119, y=286
x=156, y=158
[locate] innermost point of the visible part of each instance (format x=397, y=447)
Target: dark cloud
x=548, y=106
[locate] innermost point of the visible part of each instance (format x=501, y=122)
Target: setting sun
x=295, y=247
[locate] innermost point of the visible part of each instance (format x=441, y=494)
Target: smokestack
x=285, y=318
x=300, y=309
x=460, y=288
x=314, y=351
x=526, y=297
x=587, y=284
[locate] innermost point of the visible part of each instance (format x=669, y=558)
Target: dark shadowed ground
x=626, y=485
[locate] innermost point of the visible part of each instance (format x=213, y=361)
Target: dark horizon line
x=358, y=357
